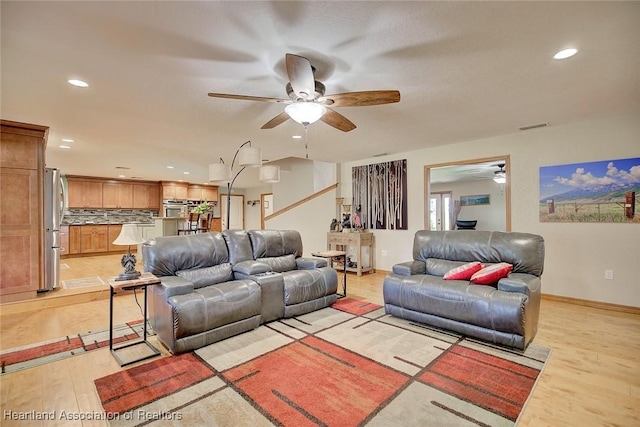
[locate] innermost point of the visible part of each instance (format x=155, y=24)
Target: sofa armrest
x=410, y=267
x=310, y=263
x=522, y=283
x=173, y=285
x=251, y=267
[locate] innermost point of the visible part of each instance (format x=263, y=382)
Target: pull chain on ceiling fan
x=307, y=102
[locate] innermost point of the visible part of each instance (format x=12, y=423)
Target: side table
x=331, y=255
x=142, y=282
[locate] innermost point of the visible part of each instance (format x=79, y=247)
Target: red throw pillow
x=464, y=272
x=491, y=274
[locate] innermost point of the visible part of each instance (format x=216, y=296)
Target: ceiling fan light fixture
x=219, y=172
x=500, y=176
x=270, y=174
x=305, y=113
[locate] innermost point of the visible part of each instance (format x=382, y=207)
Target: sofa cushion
x=208, y=275
x=464, y=272
x=523, y=250
x=274, y=243
x=491, y=274
x=280, y=264
x=307, y=285
x=164, y=256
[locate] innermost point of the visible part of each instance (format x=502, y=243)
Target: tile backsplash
x=108, y=216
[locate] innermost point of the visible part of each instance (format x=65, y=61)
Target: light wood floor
x=591, y=379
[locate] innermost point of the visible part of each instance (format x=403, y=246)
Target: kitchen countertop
x=139, y=223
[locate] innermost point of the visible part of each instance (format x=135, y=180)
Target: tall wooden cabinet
x=22, y=149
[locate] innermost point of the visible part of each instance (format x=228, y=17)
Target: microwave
x=174, y=208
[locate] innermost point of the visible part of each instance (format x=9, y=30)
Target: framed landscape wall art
x=380, y=195
x=480, y=199
x=604, y=191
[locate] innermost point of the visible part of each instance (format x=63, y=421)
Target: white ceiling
x=465, y=70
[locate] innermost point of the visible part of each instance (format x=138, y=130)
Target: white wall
x=491, y=216
x=576, y=253
x=311, y=219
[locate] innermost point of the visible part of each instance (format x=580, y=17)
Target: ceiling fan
x=307, y=102
x=500, y=176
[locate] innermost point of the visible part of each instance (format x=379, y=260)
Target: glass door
x=440, y=211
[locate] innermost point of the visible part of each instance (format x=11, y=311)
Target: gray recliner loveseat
x=505, y=313
x=216, y=285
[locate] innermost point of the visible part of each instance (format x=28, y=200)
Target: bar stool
x=204, y=225
x=190, y=226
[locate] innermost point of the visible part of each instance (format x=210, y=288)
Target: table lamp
x=129, y=235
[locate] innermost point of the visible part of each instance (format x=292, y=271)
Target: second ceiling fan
x=307, y=102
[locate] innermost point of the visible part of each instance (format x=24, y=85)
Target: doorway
x=236, y=217
x=440, y=208
x=266, y=203
x=471, y=175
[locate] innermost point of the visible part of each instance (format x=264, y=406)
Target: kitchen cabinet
x=93, y=238
x=146, y=196
x=22, y=148
x=117, y=195
x=74, y=239
x=216, y=224
x=84, y=193
x=112, y=234
x=174, y=191
x=202, y=192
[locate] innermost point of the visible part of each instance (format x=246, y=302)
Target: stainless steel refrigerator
x=54, y=205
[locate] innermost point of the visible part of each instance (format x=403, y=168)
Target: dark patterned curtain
x=379, y=195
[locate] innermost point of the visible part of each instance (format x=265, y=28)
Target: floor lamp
x=247, y=157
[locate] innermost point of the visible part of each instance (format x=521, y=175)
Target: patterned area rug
x=347, y=365
x=28, y=356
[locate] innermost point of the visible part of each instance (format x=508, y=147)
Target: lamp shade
x=270, y=174
x=129, y=235
x=219, y=172
x=305, y=112
x=250, y=157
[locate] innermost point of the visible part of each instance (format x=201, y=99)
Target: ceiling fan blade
x=249, y=98
x=361, y=99
x=277, y=120
x=337, y=120
x=300, y=75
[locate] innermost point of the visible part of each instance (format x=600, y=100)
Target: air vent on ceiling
x=380, y=154
x=123, y=167
x=539, y=125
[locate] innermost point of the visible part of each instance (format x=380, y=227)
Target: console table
x=339, y=241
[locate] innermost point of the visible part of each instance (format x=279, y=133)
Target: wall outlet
x=608, y=274
x=384, y=252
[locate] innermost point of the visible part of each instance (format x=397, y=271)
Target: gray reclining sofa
x=216, y=285
x=504, y=314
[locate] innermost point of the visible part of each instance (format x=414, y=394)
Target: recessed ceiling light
x=66, y=147
x=78, y=83
x=185, y=173
x=67, y=140
x=565, y=53
x=121, y=176
x=297, y=137
x=169, y=167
